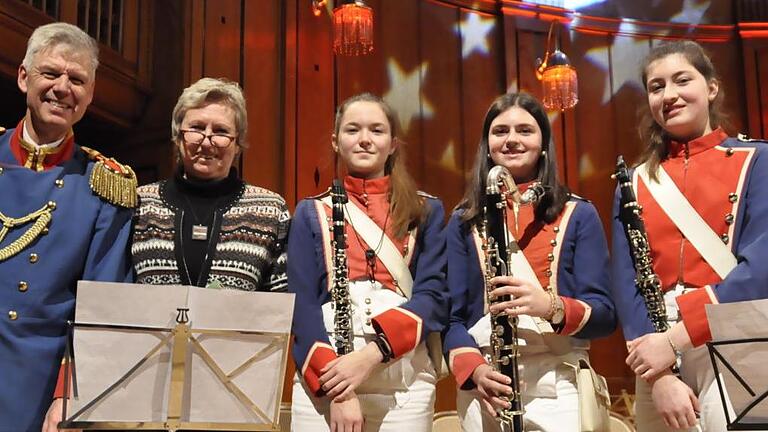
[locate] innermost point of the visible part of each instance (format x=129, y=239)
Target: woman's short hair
x=207, y=91
x=59, y=33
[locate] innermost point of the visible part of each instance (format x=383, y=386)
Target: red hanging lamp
x=352, y=28
x=558, y=77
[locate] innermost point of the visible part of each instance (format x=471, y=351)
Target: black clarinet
x=341, y=301
x=647, y=281
x=504, y=332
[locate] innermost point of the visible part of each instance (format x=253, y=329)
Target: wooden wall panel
x=762, y=67
x=730, y=67
x=441, y=135
x=405, y=75
x=262, y=163
x=314, y=103
x=752, y=87
x=222, y=42
x=483, y=77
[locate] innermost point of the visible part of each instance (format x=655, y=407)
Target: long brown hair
x=406, y=208
x=651, y=133
x=556, y=194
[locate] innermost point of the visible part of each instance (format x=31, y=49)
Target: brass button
x=729, y=219
x=732, y=197
x=12, y=315
x=556, y=229
x=1, y=170
x=23, y=286
x=550, y=257
x=724, y=238
x=729, y=152
x=367, y=311
x=368, y=300
x=548, y=272
x=33, y=257
x=368, y=322
x=553, y=242
x=52, y=205
x=59, y=183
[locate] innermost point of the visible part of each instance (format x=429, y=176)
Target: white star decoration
x=625, y=55
x=474, y=34
x=691, y=12
x=448, y=158
x=586, y=167
x=404, y=95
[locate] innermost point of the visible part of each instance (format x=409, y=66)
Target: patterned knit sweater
x=248, y=246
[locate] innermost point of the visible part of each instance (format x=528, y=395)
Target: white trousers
x=696, y=371
x=556, y=412
x=404, y=404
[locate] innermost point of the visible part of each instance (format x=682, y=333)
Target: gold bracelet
x=677, y=352
x=552, y=304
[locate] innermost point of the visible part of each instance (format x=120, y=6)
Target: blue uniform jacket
x=87, y=239
x=730, y=178
x=426, y=310
x=580, y=258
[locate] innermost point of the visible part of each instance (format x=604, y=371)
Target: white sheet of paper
x=104, y=355
x=743, y=320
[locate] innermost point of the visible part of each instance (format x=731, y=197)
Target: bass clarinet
x=647, y=281
x=504, y=333
x=341, y=301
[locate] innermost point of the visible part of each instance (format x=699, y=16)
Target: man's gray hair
x=59, y=33
x=207, y=91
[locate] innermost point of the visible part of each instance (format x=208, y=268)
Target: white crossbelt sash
x=389, y=254
x=688, y=221
x=521, y=268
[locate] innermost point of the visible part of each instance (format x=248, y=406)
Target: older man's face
x=59, y=87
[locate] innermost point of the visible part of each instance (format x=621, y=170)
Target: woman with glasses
x=205, y=226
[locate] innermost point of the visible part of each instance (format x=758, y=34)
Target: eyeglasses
x=196, y=138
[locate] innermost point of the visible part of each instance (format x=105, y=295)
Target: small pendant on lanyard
x=199, y=232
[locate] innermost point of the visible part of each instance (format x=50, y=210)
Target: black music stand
x=738, y=381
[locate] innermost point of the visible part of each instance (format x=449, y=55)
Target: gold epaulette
x=114, y=182
x=321, y=195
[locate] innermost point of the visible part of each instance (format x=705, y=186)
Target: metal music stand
x=169, y=362
x=718, y=358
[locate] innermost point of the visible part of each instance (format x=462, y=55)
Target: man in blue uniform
x=65, y=214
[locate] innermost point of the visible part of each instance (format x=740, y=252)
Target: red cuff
x=319, y=356
x=464, y=361
x=577, y=314
x=693, y=311
x=58, y=392
x=402, y=329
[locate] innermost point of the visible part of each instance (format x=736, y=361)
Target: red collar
x=698, y=145
x=358, y=186
x=29, y=156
